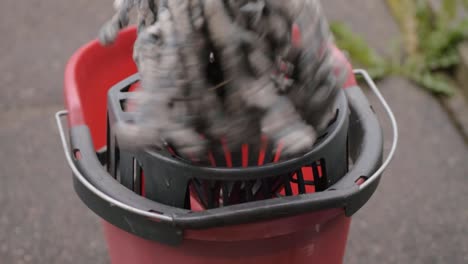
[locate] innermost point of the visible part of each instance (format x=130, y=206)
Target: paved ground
x=418, y=214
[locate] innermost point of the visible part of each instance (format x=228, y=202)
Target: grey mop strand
x=229, y=69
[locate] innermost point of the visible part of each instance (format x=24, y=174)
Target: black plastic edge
x=264, y=210
x=90, y=167
x=131, y=223
x=366, y=149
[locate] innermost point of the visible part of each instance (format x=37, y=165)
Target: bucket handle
x=393, y=123
x=169, y=219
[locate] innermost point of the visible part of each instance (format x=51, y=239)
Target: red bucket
x=301, y=229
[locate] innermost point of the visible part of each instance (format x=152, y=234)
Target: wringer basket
x=246, y=206
x=173, y=181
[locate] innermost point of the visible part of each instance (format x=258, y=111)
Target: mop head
x=231, y=70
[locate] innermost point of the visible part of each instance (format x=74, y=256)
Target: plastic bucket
x=303, y=228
